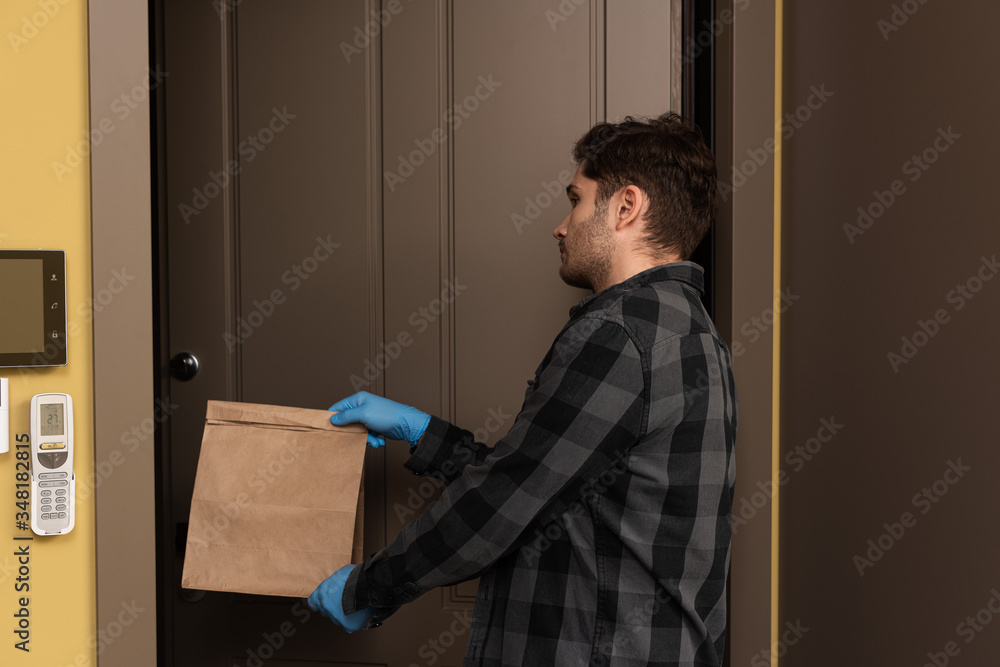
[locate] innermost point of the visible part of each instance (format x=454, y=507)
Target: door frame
x=126, y=368
x=748, y=66
x=121, y=228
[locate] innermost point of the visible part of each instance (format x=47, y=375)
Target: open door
x=360, y=195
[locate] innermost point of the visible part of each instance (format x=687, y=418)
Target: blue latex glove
x=383, y=418
x=328, y=600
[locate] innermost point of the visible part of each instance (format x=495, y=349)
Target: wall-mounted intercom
x=32, y=308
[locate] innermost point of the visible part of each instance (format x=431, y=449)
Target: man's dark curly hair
x=666, y=158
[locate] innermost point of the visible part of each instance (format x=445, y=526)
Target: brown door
x=360, y=195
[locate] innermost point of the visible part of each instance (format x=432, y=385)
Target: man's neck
x=631, y=265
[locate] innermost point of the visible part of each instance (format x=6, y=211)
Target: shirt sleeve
x=444, y=450
x=586, y=410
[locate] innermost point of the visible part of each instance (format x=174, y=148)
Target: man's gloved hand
x=328, y=600
x=383, y=418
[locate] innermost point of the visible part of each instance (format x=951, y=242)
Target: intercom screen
x=33, y=312
x=21, y=293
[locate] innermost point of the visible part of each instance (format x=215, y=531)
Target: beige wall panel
x=640, y=55
x=746, y=279
x=414, y=183
x=416, y=150
x=910, y=89
x=513, y=144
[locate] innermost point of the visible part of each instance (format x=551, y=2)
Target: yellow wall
x=43, y=122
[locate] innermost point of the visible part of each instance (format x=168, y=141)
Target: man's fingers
x=344, y=404
x=349, y=416
x=315, y=601
x=375, y=441
x=352, y=401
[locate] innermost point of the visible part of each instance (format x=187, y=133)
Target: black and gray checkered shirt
x=600, y=524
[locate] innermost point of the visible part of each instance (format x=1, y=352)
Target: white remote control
x=53, y=484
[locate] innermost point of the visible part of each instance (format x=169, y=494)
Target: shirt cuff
x=433, y=445
x=348, y=600
x=360, y=594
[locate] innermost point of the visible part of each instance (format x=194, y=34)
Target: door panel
x=303, y=215
x=511, y=264
x=344, y=194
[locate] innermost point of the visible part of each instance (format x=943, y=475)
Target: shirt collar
x=688, y=272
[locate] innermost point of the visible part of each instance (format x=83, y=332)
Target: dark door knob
x=184, y=366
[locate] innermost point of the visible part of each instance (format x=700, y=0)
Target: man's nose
x=560, y=231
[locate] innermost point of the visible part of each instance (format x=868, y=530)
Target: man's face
x=586, y=245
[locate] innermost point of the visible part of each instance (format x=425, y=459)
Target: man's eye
x=573, y=201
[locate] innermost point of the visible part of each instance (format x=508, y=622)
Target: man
x=599, y=525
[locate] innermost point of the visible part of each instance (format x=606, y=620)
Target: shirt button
x=375, y=625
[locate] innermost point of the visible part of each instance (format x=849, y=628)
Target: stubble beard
x=588, y=261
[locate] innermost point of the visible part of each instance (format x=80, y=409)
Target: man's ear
x=630, y=204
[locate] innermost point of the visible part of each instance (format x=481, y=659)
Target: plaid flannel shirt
x=599, y=525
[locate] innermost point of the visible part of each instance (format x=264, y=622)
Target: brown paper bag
x=278, y=500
